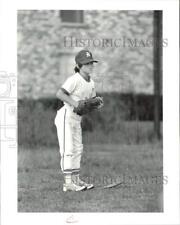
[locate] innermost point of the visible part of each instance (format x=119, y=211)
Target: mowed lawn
x=139, y=168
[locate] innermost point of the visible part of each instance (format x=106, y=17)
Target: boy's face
x=87, y=68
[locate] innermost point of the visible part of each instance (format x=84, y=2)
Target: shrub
x=36, y=119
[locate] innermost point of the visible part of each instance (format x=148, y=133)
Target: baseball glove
x=88, y=105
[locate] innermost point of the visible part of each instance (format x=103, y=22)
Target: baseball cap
x=84, y=57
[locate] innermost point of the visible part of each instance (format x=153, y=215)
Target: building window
x=72, y=16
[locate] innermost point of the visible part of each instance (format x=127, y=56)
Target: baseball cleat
x=88, y=186
x=73, y=187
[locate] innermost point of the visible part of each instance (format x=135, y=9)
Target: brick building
x=49, y=39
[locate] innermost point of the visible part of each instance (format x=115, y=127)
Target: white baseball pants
x=69, y=134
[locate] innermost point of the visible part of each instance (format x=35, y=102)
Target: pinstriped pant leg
x=66, y=131
x=77, y=145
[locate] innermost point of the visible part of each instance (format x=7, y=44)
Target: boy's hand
x=75, y=104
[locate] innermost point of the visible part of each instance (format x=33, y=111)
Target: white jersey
x=78, y=89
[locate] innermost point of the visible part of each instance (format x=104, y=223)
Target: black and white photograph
x=90, y=111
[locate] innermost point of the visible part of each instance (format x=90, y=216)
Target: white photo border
x=171, y=156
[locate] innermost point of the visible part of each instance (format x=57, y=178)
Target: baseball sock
x=76, y=178
x=68, y=178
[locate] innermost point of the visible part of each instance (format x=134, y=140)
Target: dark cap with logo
x=83, y=57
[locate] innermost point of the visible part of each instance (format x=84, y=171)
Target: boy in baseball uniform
x=76, y=88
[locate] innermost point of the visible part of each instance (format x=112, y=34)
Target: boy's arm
x=63, y=95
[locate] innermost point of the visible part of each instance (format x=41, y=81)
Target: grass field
x=139, y=167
